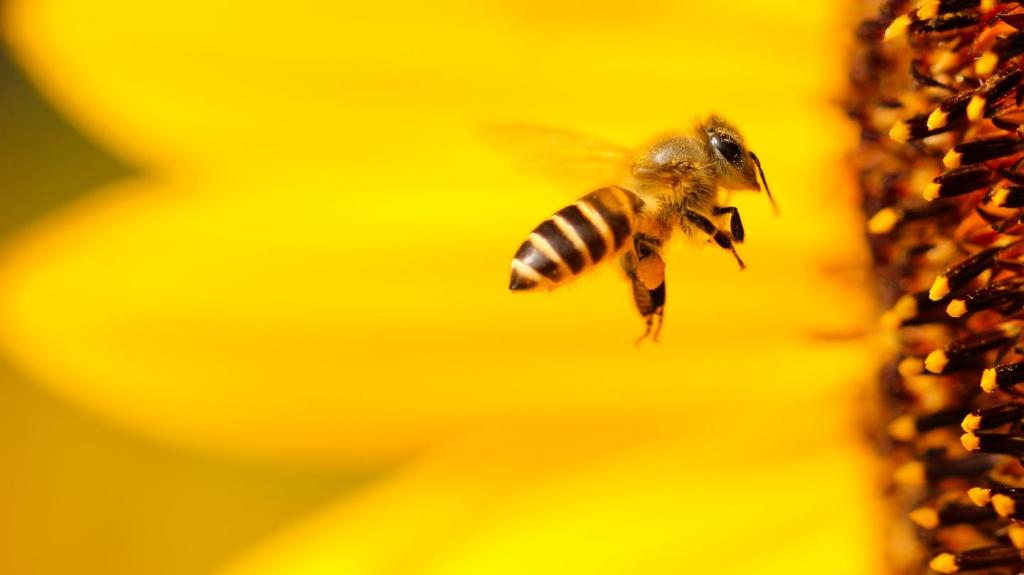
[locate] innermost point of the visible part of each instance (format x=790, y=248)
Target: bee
x=673, y=183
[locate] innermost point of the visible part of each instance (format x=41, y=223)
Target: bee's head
x=736, y=166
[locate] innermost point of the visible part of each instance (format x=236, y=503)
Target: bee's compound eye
x=729, y=149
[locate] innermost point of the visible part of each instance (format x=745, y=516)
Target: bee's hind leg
x=646, y=272
x=651, y=304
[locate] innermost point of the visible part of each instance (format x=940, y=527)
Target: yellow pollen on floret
x=944, y=563
x=905, y=307
x=910, y=475
x=988, y=380
x=970, y=442
x=890, y=321
x=931, y=191
x=937, y=119
x=999, y=196
x=980, y=496
x=883, y=221
x=971, y=423
x=947, y=61
x=926, y=517
x=956, y=308
x=936, y=361
x=898, y=27
x=939, y=289
x=976, y=107
x=1004, y=505
x=900, y=132
x=1016, y=534
x=909, y=367
x=928, y=9
x=952, y=159
x=986, y=64
x=902, y=428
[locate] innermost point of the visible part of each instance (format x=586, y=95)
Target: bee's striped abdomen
x=577, y=237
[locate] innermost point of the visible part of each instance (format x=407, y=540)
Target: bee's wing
x=564, y=157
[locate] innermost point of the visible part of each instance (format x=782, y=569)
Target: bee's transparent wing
x=571, y=160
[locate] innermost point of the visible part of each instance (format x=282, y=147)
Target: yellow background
x=269, y=331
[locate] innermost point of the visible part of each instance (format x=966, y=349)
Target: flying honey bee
x=673, y=183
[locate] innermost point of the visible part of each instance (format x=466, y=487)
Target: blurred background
x=253, y=304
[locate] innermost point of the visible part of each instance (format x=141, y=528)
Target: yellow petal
x=312, y=266
x=319, y=270
x=264, y=339
x=668, y=503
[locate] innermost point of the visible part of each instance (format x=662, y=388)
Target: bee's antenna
x=760, y=170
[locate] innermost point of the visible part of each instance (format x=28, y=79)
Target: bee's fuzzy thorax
x=937, y=88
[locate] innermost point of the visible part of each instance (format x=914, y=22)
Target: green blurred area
x=45, y=162
x=77, y=496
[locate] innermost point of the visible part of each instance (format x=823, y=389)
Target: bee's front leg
x=735, y=223
x=721, y=238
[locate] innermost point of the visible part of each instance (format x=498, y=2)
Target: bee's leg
x=651, y=304
x=646, y=271
x=735, y=223
x=721, y=238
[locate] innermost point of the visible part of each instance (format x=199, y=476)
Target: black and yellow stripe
x=577, y=237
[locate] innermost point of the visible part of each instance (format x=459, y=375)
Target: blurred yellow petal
x=312, y=266
x=319, y=269
x=186, y=83
x=243, y=339
x=565, y=500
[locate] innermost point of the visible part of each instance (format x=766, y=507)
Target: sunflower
x=303, y=272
